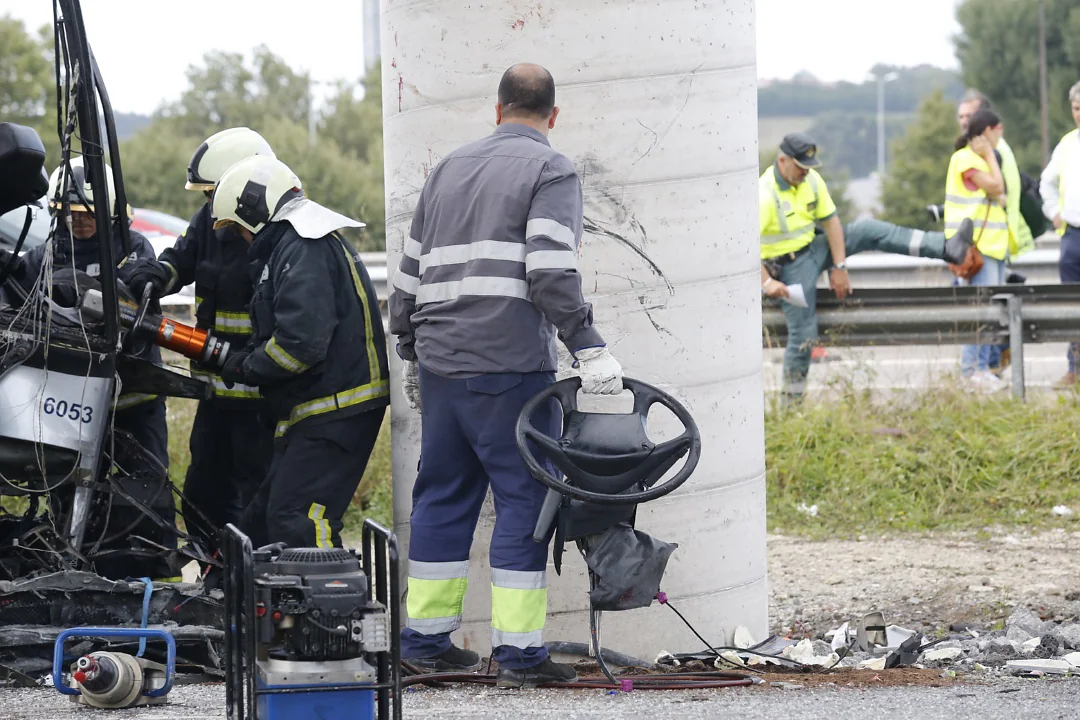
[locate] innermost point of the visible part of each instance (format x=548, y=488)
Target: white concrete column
x=658, y=106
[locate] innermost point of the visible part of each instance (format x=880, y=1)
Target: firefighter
x=317, y=352
x=143, y=416
x=232, y=436
x=489, y=275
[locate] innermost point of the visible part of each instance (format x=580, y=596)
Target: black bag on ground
x=628, y=565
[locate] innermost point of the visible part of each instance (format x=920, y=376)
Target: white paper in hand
x=796, y=296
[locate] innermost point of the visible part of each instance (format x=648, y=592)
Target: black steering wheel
x=607, y=458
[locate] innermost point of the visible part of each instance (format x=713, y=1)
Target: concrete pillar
x=659, y=113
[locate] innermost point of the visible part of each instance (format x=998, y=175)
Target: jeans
x=977, y=358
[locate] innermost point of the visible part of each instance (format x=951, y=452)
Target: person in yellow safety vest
x=792, y=201
x=972, y=102
x=975, y=193
x=1060, y=189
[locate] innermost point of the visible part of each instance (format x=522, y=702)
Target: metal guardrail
x=942, y=316
x=867, y=270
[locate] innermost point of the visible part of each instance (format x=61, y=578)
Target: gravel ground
x=924, y=583
x=1003, y=699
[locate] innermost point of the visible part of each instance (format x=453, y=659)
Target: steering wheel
x=607, y=458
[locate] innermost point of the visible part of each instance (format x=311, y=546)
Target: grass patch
x=373, y=497
x=938, y=460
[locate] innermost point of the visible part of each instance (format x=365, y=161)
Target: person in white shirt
x=1060, y=188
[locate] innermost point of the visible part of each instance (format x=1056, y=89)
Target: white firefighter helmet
x=221, y=151
x=250, y=192
x=80, y=195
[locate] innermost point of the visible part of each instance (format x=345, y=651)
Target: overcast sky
x=143, y=57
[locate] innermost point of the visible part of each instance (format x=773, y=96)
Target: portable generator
x=312, y=632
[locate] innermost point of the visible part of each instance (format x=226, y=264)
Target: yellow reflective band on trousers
x=317, y=515
x=330, y=403
x=436, y=595
x=992, y=235
x=518, y=608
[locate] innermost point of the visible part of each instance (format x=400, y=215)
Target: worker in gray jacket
x=488, y=277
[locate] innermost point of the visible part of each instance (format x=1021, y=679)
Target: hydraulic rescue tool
x=107, y=679
x=314, y=630
x=192, y=342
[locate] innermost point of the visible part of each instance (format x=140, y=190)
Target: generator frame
x=380, y=563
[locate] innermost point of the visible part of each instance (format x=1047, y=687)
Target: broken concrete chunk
x=1069, y=635
x=743, y=639
x=1018, y=635
x=950, y=653
x=1073, y=659
x=1053, y=667
x=1026, y=620
x=804, y=653
x=874, y=664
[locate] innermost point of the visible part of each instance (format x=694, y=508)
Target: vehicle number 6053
x=69, y=410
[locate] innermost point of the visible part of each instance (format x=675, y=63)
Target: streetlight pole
x=881, y=80
x=311, y=113
x=1044, y=109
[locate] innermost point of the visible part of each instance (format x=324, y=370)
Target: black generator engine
x=314, y=604
x=312, y=632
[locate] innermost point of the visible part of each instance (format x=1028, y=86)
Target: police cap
x=801, y=149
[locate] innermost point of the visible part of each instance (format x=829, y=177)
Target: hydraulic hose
x=673, y=681
x=585, y=650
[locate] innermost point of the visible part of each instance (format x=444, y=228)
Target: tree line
x=997, y=48
x=342, y=169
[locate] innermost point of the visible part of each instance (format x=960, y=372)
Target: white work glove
x=601, y=374
x=410, y=384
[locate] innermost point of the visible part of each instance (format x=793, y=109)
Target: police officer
x=317, y=352
x=793, y=201
x=143, y=416
x=1060, y=189
x=232, y=436
x=489, y=275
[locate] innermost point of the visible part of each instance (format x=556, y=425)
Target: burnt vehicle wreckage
x=79, y=526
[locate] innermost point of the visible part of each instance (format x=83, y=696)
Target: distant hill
x=805, y=95
x=127, y=124
x=842, y=116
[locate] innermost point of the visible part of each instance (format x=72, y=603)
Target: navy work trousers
x=468, y=445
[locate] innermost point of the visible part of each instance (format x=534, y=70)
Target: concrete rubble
x=1023, y=645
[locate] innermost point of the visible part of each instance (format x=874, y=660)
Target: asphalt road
x=1002, y=699
x=908, y=368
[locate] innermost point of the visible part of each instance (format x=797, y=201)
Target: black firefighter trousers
x=232, y=442
x=316, y=469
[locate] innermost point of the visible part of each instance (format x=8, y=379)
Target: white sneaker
x=985, y=381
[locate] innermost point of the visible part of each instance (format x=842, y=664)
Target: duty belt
x=790, y=257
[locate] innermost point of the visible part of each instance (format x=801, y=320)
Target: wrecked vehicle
x=77, y=522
